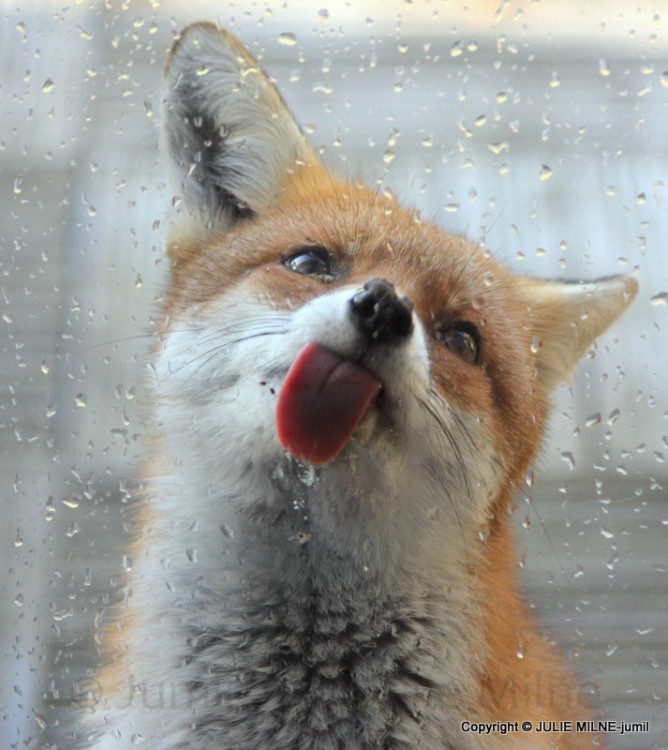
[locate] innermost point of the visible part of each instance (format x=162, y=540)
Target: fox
x=345, y=399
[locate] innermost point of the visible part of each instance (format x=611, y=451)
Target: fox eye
x=463, y=340
x=310, y=261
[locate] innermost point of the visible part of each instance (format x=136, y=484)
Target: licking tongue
x=323, y=399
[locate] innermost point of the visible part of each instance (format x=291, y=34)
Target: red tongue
x=322, y=401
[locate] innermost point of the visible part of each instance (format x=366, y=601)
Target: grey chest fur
x=299, y=668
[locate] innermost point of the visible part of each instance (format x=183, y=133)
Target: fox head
x=316, y=326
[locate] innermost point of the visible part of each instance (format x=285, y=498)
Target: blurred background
x=538, y=127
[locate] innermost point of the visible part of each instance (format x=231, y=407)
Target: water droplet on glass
x=463, y=127
x=568, y=458
x=48, y=86
x=191, y=554
x=81, y=399
x=660, y=299
x=545, y=173
x=498, y=148
x=483, y=533
x=287, y=38
x=593, y=419
x=614, y=416
x=302, y=537
x=535, y=345
x=478, y=302
x=603, y=68
x=39, y=720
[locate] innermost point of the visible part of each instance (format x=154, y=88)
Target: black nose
x=380, y=314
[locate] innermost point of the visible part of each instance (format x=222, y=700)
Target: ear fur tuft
x=566, y=318
x=230, y=138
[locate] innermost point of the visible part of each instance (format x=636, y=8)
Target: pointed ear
x=230, y=138
x=567, y=317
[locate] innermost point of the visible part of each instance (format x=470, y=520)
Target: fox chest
x=313, y=679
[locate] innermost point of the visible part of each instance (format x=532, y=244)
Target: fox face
x=346, y=396
x=446, y=355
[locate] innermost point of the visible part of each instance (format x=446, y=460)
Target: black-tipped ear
x=567, y=317
x=230, y=139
